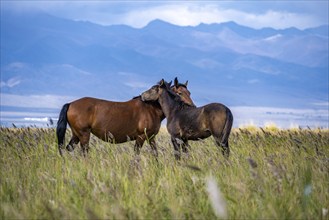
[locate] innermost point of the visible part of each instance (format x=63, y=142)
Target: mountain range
x=236, y=65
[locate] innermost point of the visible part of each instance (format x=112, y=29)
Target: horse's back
x=91, y=111
x=217, y=116
x=216, y=111
x=215, y=107
x=80, y=113
x=121, y=119
x=204, y=111
x=89, y=101
x=88, y=104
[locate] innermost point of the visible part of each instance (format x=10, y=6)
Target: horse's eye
x=179, y=93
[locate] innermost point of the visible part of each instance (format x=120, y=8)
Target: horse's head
x=177, y=89
x=181, y=90
x=154, y=92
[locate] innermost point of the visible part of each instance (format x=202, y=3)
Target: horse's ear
x=162, y=82
x=176, y=82
x=169, y=84
x=186, y=83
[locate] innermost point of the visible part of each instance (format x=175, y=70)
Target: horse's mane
x=177, y=99
x=179, y=85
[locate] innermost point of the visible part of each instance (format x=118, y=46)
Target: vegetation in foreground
x=271, y=173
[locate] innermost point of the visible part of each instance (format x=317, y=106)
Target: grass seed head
x=215, y=196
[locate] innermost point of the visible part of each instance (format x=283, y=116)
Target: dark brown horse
x=190, y=123
x=116, y=122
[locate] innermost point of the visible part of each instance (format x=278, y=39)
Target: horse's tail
x=227, y=127
x=61, y=127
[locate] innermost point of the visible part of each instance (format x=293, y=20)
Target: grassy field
x=271, y=174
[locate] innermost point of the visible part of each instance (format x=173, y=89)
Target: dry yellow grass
x=271, y=174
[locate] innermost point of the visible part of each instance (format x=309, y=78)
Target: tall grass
x=271, y=173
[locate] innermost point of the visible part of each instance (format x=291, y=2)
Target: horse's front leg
x=176, y=147
x=185, y=146
x=154, y=147
x=138, y=145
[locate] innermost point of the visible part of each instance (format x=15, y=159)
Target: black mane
x=179, y=85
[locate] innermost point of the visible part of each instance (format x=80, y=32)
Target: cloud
x=283, y=14
x=137, y=85
x=182, y=15
x=325, y=104
x=253, y=81
x=273, y=38
x=135, y=81
x=34, y=101
x=66, y=68
x=283, y=117
x=8, y=114
x=16, y=66
x=277, y=19
x=26, y=118
x=186, y=14
x=10, y=82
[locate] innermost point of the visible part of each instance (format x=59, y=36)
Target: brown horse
x=190, y=123
x=116, y=122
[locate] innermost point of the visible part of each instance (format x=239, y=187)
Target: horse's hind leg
x=84, y=142
x=225, y=147
x=154, y=147
x=138, y=145
x=176, y=148
x=74, y=140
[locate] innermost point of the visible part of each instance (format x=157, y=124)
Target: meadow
x=271, y=174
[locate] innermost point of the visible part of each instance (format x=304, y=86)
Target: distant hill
x=227, y=62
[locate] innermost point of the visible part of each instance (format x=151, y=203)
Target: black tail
x=226, y=132
x=228, y=126
x=61, y=127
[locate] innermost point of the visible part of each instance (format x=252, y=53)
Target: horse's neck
x=168, y=104
x=158, y=110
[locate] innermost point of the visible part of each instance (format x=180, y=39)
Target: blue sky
x=256, y=14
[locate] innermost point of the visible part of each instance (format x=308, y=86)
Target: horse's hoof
x=69, y=148
x=177, y=156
